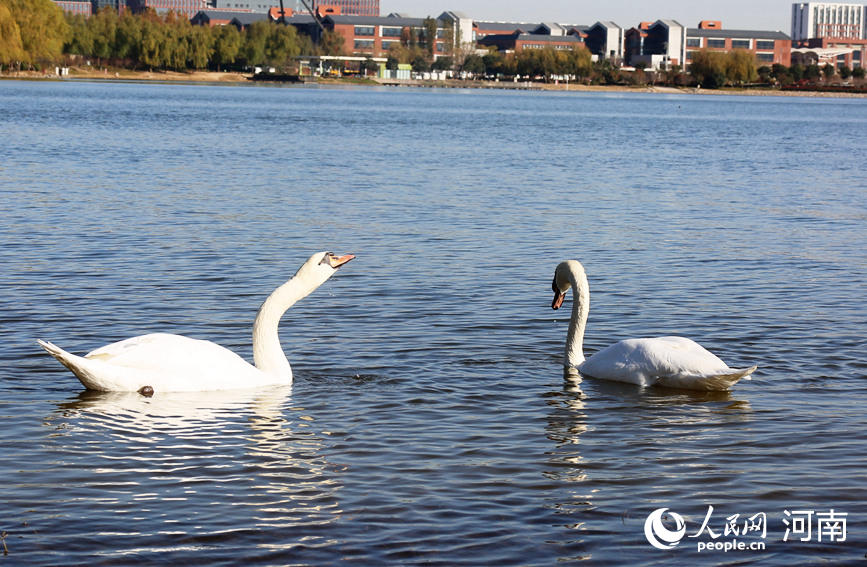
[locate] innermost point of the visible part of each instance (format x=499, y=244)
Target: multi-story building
x=829, y=33
x=828, y=19
x=74, y=7
x=348, y=7
x=519, y=40
x=374, y=36
x=605, y=40
x=187, y=7
x=768, y=47
x=665, y=43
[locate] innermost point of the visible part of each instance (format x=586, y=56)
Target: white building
x=828, y=19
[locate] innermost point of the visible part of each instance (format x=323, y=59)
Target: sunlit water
x=430, y=421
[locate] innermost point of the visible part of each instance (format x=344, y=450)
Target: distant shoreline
x=234, y=78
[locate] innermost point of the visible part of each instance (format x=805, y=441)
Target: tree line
x=37, y=32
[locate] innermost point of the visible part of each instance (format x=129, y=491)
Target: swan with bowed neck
x=674, y=362
x=162, y=362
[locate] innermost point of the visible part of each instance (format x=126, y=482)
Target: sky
x=764, y=15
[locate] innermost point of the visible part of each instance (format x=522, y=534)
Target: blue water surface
x=430, y=421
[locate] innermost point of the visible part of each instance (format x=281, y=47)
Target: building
x=768, y=47
x=259, y=6
x=605, y=41
x=519, y=40
x=482, y=29
x=461, y=26
x=187, y=7
x=823, y=51
x=349, y=7
x=73, y=7
x=374, y=36
x=665, y=43
x=828, y=19
x=212, y=18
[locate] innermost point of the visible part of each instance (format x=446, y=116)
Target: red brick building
x=768, y=47
x=71, y=7
x=374, y=36
x=349, y=7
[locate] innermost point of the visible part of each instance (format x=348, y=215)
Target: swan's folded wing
x=675, y=362
x=159, y=351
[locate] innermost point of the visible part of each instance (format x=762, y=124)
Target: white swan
x=173, y=363
x=674, y=362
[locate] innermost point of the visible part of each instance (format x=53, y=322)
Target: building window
x=693, y=42
x=363, y=44
x=716, y=43
x=689, y=55
x=386, y=45
x=765, y=57
x=765, y=44
x=391, y=32
x=740, y=44
x=365, y=30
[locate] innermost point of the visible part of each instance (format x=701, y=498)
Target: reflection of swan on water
x=674, y=362
x=180, y=411
x=199, y=447
x=163, y=362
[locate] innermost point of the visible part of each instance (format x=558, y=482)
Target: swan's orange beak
x=337, y=261
x=559, y=296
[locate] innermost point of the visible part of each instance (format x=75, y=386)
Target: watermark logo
x=743, y=533
x=660, y=536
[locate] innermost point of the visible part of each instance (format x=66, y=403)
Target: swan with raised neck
x=675, y=362
x=162, y=362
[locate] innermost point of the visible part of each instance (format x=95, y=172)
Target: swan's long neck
x=580, y=308
x=267, y=352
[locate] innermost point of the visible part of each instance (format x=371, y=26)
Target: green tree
x=154, y=44
x=420, y=64
x=42, y=27
x=392, y=63
x=281, y=44
x=103, y=29
x=176, y=31
x=829, y=71
x=473, y=64
x=201, y=46
x=708, y=68
x=845, y=72
x=331, y=43
x=252, y=50
x=80, y=39
x=11, y=48
x=812, y=72
x=442, y=64
x=740, y=67
x=494, y=62
x=128, y=37
x=227, y=44
x=858, y=72
x=430, y=35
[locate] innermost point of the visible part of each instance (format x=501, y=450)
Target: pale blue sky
x=767, y=15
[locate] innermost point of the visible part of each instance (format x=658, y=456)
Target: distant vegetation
x=35, y=34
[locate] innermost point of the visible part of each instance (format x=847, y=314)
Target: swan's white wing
x=676, y=362
x=167, y=363
x=159, y=351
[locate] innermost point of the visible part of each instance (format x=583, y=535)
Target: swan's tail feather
x=714, y=382
x=76, y=364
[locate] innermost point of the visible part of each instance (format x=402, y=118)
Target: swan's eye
x=327, y=258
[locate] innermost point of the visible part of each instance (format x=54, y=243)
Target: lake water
x=430, y=421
